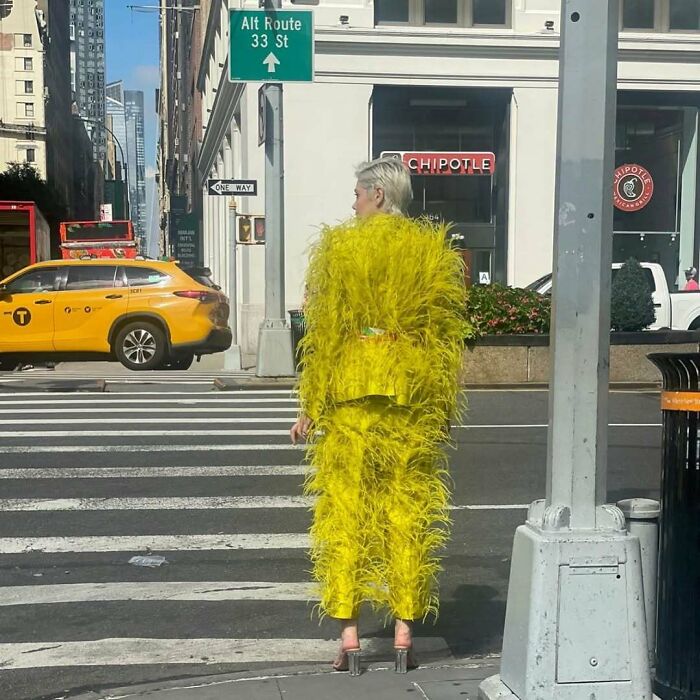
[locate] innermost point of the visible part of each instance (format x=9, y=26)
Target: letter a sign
x=273, y=46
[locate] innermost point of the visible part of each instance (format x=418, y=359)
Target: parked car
x=146, y=314
x=676, y=310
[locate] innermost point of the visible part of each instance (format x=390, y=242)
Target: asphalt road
x=208, y=480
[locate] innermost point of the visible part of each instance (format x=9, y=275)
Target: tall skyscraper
x=88, y=66
x=136, y=160
x=114, y=107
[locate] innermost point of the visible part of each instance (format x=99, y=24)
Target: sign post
x=272, y=46
x=575, y=624
x=228, y=188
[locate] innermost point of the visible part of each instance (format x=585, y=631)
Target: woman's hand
x=300, y=429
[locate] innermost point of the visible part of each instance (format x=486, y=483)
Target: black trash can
x=677, y=674
x=298, y=328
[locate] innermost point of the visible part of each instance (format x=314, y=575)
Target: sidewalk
x=458, y=680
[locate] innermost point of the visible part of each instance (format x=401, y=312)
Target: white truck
x=676, y=310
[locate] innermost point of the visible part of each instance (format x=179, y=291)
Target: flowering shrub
x=497, y=310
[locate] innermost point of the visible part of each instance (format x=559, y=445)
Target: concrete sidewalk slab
x=455, y=681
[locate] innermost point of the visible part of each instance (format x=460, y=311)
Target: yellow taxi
x=146, y=313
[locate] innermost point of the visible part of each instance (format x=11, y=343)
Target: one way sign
x=231, y=187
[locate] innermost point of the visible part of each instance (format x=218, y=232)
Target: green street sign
x=271, y=45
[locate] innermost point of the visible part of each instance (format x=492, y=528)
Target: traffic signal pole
x=275, y=335
x=575, y=621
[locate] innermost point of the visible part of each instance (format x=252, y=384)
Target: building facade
x=22, y=109
x=180, y=121
x=88, y=67
x=36, y=100
x=465, y=91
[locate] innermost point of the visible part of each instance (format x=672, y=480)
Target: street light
x=121, y=151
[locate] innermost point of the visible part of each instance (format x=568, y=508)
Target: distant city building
x=114, y=108
x=88, y=66
x=136, y=160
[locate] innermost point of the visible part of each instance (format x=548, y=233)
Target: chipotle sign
x=446, y=163
x=633, y=187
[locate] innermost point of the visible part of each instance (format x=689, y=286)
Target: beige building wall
x=23, y=128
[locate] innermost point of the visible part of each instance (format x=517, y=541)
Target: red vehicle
x=24, y=236
x=98, y=239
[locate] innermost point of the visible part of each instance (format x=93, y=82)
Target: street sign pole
x=232, y=357
x=275, y=335
x=575, y=621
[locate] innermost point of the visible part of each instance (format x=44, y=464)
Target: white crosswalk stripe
x=208, y=480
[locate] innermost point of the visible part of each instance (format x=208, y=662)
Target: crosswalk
x=207, y=480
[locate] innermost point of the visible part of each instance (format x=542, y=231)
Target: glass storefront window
x=651, y=138
x=441, y=11
x=685, y=15
x=489, y=12
x=391, y=10
x=638, y=14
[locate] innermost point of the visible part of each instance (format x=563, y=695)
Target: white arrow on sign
x=271, y=62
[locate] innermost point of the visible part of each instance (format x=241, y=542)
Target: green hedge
x=497, y=310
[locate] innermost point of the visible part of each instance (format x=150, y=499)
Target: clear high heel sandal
x=405, y=659
x=348, y=660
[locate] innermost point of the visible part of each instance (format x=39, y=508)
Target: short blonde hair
x=394, y=179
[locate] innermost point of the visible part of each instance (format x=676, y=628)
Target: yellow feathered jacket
x=385, y=316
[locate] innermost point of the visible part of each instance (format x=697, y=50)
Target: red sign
x=633, y=187
x=439, y=163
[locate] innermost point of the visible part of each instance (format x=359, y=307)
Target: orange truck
x=97, y=239
x=25, y=237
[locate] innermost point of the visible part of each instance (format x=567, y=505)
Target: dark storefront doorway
x=454, y=121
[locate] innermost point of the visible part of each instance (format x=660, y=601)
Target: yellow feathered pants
x=378, y=472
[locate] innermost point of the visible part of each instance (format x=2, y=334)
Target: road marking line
x=129, y=651
x=163, y=503
x=160, y=410
x=213, y=395
x=476, y=426
x=155, y=590
x=186, y=503
x=150, y=472
x=138, y=419
x=139, y=433
x=151, y=402
x=220, y=447
x=158, y=543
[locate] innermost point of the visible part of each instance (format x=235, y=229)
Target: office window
x=489, y=12
x=27, y=40
x=459, y=13
x=684, y=15
x=31, y=155
x=441, y=11
x=29, y=87
x=28, y=109
x=28, y=64
x=660, y=15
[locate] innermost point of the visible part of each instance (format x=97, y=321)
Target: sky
x=132, y=55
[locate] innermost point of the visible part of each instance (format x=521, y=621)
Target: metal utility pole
x=575, y=621
x=232, y=357
x=275, y=336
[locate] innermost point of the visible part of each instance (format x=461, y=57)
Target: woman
x=383, y=343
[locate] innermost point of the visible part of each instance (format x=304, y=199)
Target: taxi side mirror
x=3, y=291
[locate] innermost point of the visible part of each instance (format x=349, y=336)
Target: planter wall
x=524, y=359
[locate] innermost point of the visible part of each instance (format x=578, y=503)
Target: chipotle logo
x=446, y=163
x=633, y=187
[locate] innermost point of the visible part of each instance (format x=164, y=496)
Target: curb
x=489, y=664
x=261, y=383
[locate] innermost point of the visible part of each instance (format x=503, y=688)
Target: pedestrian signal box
x=251, y=229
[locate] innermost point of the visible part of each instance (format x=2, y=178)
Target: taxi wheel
x=140, y=346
